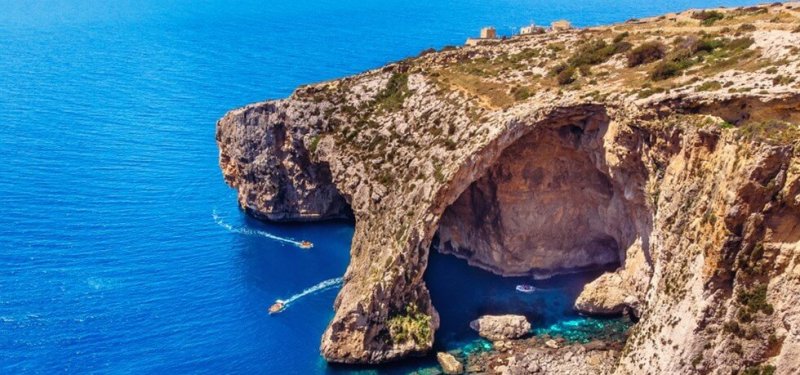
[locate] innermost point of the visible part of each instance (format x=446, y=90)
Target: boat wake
x=323, y=286
x=252, y=232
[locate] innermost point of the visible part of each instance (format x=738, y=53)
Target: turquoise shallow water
x=112, y=259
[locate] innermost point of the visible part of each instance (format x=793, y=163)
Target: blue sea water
x=121, y=249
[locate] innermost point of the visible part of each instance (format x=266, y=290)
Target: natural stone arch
x=369, y=299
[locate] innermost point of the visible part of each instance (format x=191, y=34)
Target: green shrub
x=705, y=45
x=312, y=146
x=708, y=17
x=620, y=37
x=597, y=51
x=413, y=325
x=782, y=80
x=739, y=44
x=438, y=174
x=691, y=50
x=709, y=86
x=746, y=27
x=592, y=53
x=665, y=70
x=566, y=76
x=755, y=300
x=520, y=93
x=395, y=92
x=646, y=53
x=732, y=327
x=648, y=91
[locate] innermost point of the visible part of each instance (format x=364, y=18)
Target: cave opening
x=546, y=213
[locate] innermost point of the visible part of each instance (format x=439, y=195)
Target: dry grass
x=773, y=131
x=492, y=95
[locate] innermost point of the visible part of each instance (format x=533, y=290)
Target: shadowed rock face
x=547, y=206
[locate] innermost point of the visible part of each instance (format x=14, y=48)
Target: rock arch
x=381, y=284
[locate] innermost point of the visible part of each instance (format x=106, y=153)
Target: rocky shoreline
x=515, y=351
x=533, y=355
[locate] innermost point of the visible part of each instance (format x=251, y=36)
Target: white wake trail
x=325, y=285
x=252, y=232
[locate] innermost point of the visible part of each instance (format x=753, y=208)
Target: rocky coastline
x=662, y=147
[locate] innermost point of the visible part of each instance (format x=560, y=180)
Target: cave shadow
x=481, y=226
x=552, y=190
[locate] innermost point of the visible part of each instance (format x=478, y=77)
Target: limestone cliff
x=663, y=147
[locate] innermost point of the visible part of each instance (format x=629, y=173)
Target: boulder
x=551, y=344
x=605, y=295
x=501, y=327
x=595, y=345
x=449, y=363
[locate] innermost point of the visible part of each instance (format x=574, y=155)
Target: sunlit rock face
x=547, y=206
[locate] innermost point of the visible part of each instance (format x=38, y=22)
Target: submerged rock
x=450, y=365
x=501, y=327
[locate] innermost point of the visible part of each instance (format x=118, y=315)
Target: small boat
x=525, y=288
x=306, y=244
x=277, y=307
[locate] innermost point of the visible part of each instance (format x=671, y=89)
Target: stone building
x=488, y=33
x=530, y=30
x=560, y=25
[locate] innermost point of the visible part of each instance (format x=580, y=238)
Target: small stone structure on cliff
x=560, y=25
x=531, y=29
x=488, y=35
x=669, y=145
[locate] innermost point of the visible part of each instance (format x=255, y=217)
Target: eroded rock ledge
x=685, y=179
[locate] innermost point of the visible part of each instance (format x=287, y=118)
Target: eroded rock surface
x=450, y=365
x=547, y=153
x=501, y=327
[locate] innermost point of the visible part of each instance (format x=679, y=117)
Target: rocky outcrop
x=606, y=295
x=450, y=365
x=501, y=327
x=549, y=153
x=273, y=172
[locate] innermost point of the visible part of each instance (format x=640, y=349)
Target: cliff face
x=640, y=146
x=272, y=171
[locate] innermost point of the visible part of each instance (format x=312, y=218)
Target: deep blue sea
x=122, y=250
